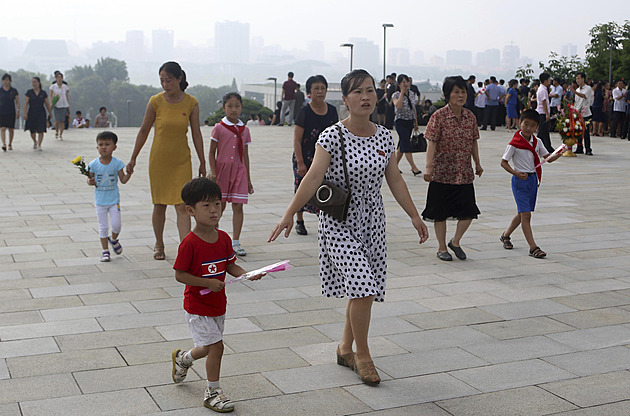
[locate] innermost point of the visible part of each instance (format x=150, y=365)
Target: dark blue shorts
x=525, y=192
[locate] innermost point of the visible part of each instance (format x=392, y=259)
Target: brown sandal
x=367, y=372
x=507, y=243
x=346, y=360
x=158, y=253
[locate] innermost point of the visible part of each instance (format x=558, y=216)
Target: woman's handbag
x=418, y=142
x=330, y=198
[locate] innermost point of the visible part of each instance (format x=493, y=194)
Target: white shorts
x=205, y=330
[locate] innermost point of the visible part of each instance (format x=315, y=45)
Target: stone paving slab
x=592, y=390
x=433, y=340
x=129, y=402
x=525, y=401
x=65, y=362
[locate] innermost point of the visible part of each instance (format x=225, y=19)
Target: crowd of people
x=354, y=154
x=42, y=110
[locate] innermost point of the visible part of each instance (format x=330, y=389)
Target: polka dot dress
x=353, y=254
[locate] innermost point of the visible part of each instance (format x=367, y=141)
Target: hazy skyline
x=418, y=26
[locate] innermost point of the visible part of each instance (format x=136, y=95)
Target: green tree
x=78, y=73
x=87, y=95
x=562, y=67
x=527, y=72
x=209, y=98
x=128, y=101
x=110, y=69
x=604, y=38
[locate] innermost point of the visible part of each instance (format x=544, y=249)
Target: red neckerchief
x=519, y=142
x=238, y=130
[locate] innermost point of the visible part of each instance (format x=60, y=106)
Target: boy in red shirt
x=205, y=256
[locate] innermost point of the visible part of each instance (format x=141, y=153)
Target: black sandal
x=416, y=173
x=537, y=253
x=507, y=244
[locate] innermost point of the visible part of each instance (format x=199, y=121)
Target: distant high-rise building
x=511, y=56
x=458, y=58
x=231, y=42
x=257, y=48
x=398, y=56
x=569, y=50
x=134, y=45
x=163, y=45
x=366, y=55
x=418, y=58
x=490, y=58
x=436, y=60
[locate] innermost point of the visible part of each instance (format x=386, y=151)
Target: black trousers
x=624, y=128
x=543, y=132
x=479, y=112
x=618, y=118
x=490, y=116
x=586, y=140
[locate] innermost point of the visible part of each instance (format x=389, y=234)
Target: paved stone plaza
x=499, y=334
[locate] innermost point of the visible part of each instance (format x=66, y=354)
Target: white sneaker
x=105, y=257
x=180, y=370
x=216, y=400
x=240, y=251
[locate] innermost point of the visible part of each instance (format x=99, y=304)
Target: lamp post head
x=346, y=45
x=272, y=79
x=387, y=25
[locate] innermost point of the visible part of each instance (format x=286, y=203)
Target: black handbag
x=329, y=197
x=418, y=142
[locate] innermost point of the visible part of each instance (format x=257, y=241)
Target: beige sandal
x=158, y=253
x=367, y=372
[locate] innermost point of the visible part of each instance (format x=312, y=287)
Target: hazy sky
x=537, y=26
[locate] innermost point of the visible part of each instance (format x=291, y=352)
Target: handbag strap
x=343, y=157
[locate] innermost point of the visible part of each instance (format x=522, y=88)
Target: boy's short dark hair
x=200, y=189
x=107, y=135
x=78, y=113
x=530, y=115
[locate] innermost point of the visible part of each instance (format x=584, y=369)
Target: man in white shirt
x=544, y=112
x=556, y=95
x=583, y=101
x=480, y=102
x=619, y=108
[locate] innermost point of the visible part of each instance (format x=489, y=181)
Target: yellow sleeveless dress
x=169, y=162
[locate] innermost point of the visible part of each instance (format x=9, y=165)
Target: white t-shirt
x=523, y=159
x=78, y=123
x=61, y=92
x=542, y=96
x=583, y=105
x=480, y=100
x=556, y=101
x=620, y=105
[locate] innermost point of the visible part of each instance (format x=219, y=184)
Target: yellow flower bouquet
x=80, y=163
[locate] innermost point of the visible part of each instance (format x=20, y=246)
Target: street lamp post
x=275, y=93
x=612, y=38
x=385, y=26
x=351, y=46
x=128, y=113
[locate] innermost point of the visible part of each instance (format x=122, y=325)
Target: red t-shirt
x=289, y=87
x=209, y=260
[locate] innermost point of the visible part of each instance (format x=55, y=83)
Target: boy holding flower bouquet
x=104, y=174
x=526, y=151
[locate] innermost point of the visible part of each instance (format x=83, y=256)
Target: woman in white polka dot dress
x=352, y=253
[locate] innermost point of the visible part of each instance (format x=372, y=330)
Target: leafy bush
x=249, y=107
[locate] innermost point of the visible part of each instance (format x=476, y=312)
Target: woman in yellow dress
x=170, y=166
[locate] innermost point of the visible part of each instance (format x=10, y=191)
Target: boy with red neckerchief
x=525, y=151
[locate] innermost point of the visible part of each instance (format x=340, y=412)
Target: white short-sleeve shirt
x=620, y=104
x=523, y=159
x=61, y=92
